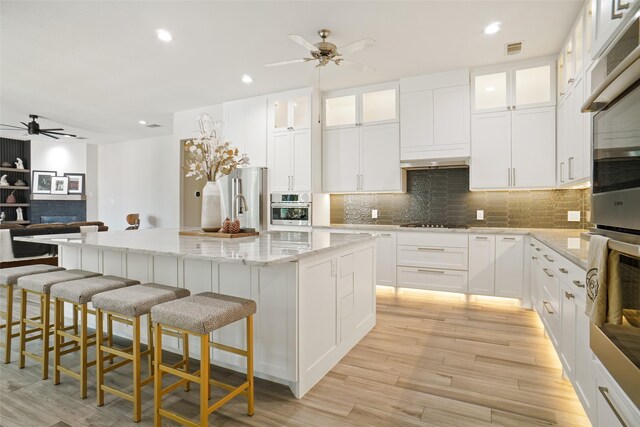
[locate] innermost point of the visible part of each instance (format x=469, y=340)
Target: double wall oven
x=615, y=100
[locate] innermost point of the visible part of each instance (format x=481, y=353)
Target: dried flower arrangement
x=210, y=157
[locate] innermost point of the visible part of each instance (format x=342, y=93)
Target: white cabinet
x=609, y=15
x=290, y=110
x=361, y=106
x=434, y=112
x=496, y=265
x=613, y=407
x=568, y=342
x=362, y=159
x=513, y=149
x=524, y=85
x=290, y=160
x=245, y=126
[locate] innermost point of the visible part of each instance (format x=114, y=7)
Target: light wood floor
x=432, y=360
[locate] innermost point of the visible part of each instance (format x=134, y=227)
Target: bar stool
x=40, y=285
x=8, y=278
x=200, y=315
x=78, y=293
x=127, y=305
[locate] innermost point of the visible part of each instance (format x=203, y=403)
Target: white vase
x=211, y=219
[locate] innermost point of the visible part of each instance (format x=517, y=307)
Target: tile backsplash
x=442, y=196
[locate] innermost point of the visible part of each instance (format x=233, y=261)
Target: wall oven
x=291, y=209
x=615, y=97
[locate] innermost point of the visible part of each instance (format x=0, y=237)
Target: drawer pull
x=604, y=391
x=534, y=257
x=568, y=295
x=481, y=238
x=548, y=258
x=508, y=238
x=547, y=272
x=422, y=270
x=563, y=270
x=538, y=249
x=546, y=307
x=578, y=283
x=386, y=234
x=531, y=244
x=432, y=249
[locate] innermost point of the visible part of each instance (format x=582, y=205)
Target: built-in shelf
x=15, y=170
x=17, y=222
x=14, y=205
x=58, y=197
x=14, y=187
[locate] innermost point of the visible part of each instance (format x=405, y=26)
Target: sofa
x=7, y=258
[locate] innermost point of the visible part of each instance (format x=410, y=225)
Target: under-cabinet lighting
x=492, y=28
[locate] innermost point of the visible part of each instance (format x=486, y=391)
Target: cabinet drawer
x=427, y=238
x=433, y=257
x=551, y=319
x=550, y=287
x=573, y=275
x=433, y=279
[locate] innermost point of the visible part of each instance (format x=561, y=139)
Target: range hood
x=449, y=162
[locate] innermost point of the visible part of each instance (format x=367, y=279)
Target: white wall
x=140, y=176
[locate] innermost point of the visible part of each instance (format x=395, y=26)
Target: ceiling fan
x=325, y=52
x=33, y=128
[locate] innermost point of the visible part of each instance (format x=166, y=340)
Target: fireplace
x=47, y=211
x=48, y=219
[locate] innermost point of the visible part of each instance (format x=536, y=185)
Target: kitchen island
x=315, y=291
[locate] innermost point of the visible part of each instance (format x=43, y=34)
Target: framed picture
x=59, y=184
x=41, y=181
x=76, y=183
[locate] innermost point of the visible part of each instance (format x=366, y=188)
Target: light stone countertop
x=567, y=242
x=267, y=249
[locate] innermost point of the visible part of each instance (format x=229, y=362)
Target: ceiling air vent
x=152, y=125
x=513, y=48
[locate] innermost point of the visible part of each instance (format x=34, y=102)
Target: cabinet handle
x=546, y=307
x=561, y=93
x=422, y=270
x=563, y=270
x=571, y=80
x=568, y=295
x=386, y=234
x=534, y=257
x=513, y=181
x=604, y=391
x=361, y=182
x=548, y=258
x=578, y=283
x=357, y=181
x=508, y=107
x=481, y=238
x=514, y=107
x=615, y=13
x=508, y=238
x=509, y=177
x=547, y=272
x=562, y=172
x=538, y=249
x=432, y=249
x=531, y=244
x=571, y=161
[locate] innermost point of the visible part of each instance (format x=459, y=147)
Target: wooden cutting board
x=218, y=235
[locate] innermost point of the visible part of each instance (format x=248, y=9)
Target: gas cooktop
x=426, y=225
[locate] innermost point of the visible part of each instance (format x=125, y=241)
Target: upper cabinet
x=434, y=111
x=576, y=53
x=290, y=111
x=608, y=16
x=370, y=105
x=505, y=88
x=245, y=126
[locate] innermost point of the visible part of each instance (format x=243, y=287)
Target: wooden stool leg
x=157, y=378
x=23, y=325
x=250, y=401
x=75, y=320
x=58, y=306
x=149, y=344
x=110, y=335
x=204, y=380
x=185, y=358
x=83, y=351
x=99, y=359
x=46, y=327
x=137, y=401
x=9, y=323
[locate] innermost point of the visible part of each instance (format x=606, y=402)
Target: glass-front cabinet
x=527, y=85
x=371, y=105
x=290, y=110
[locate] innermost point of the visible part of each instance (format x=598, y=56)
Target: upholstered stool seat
x=127, y=305
x=200, y=315
x=40, y=284
x=8, y=279
x=79, y=293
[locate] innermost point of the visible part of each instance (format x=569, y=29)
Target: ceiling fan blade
x=50, y=136
x=59, y=133
x=355, y=65
x=291, y=61
x=357, y=46
x=12, y=126
x=25, y=124
x=303, y=42
x=47, y=130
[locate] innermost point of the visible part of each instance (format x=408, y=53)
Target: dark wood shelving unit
x=10, y=149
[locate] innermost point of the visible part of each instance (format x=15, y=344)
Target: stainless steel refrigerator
x=244, y=196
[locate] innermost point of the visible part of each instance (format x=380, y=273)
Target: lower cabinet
x=613, y=407
x=432, y=279
x=496, y=265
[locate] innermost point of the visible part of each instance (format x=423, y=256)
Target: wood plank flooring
x=432, y=360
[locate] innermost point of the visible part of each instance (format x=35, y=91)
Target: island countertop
x=267, y=249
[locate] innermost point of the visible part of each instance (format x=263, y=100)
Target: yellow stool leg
x=137, y=403
x=185, y=358
x=204, y=380
x=250, y=401
x=9, y=323
x=83, y=351
x=149, y=345
x=46, y=327
x=58, y=306
x=157, y=379
x=23, y=326
x=99, y=359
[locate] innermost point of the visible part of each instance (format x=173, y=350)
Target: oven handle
x=604, y=391
x=290, y=205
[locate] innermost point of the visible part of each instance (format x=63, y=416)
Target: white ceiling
x=96, y=67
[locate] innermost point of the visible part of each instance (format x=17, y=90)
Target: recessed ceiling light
x=164, y=35
x=490, y=89
x=492, y=28
x=246, y=78
x=142, y=122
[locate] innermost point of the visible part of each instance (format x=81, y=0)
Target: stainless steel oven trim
x=289, y=222
x=291, y=205
x=626, y=374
